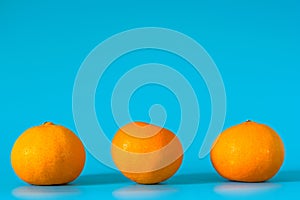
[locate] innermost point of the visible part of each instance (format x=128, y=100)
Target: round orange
x=248, y=152
x=145, y=153
x=48, y=155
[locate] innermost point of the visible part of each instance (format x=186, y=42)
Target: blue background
x=255, y=45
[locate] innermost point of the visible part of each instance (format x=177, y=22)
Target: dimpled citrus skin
x=131, y=144
x=48, y=155
x=248, y=152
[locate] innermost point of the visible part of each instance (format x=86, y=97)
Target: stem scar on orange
x=248, y=152
x=48, y=155
x=145, y=153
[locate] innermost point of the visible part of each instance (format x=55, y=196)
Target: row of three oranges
x=51, y=154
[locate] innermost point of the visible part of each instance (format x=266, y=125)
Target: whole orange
x=248, y=152
x=48, y=155
x=145, y=153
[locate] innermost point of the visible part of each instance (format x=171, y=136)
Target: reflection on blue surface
x=181, y=186
x=38, y=192
x=143, y=191
x=244, y=189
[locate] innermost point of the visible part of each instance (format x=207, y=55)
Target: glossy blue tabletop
x=182, y=186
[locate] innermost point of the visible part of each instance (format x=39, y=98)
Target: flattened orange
x=248, y=152
x=145, y=153
x=48, y=155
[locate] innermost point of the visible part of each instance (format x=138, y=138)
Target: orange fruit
x=145, y=153
x=248, y=152
x=48, y=155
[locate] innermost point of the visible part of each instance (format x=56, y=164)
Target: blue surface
x=255, y=45
x=184, y=186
